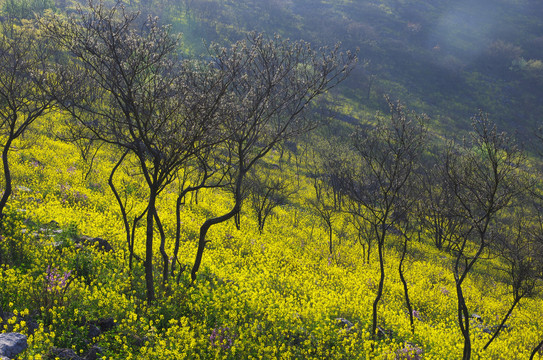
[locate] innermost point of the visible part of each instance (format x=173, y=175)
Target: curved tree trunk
x=178, y=204
x=216, y=220
x=405, y=288
x=7, y=177
x=536, y=350
x=165, y=258
x=123, y=209
x=495, y=335
x=203, y=232
x=379, y=289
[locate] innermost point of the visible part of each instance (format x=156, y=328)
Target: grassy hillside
x=279, y=294
x=302, y=288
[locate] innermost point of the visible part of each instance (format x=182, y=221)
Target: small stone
x=104, y=324
x=93, y=353
x=383, y=333
x=12, y=344
x=99, y=243
x=52, y=224
x=93, y=332
x=64, y=354
x=344, y=323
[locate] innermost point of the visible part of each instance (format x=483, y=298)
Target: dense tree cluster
x=124, y=84
x=474, y=198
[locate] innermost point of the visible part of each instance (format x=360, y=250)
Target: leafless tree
x=517, y=241
x=483, y=174
x=376, y=182
x=126, y=85
x=24, y=56
x=268, y=188
x=324, y=165
x=434, y=210
x=275, y=82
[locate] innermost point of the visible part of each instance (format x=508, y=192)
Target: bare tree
x=516, y=243
x=436, y=210
x=324, y=165
x=206, y=171
x=127, y=87
x=24, y=56
x=386, y=157
x=268, y=188
x=483, y=176
x=323, y=205
x=275, y=82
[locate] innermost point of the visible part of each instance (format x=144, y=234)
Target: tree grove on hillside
x=274, y=83
x=483, y=177
x=377, y=181
x=126, y=86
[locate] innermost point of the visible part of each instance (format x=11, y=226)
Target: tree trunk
x=536, y=350
x=165, y=258
x=463, y=320
x=260, y=221
x=379, y=289
x=203, y=232
x=237, y=220
x=123, y=210
x=7, y=177
x=495, y=335
x=178, y=204
x=217, y=220
x=149, y=247
x=330, y=234
x=405, y=288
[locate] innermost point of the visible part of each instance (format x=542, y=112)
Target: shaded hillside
x=446, y=58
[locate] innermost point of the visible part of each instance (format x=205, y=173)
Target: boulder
x=12, y=344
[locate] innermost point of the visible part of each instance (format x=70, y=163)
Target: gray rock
x=477, y=317
x=12, y=344
x=64, y=354
x=94, y=353
x=99, y=243
x=344, y=323
x=94, y=331
x=104, y=324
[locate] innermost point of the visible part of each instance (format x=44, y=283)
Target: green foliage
x=24, y=9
